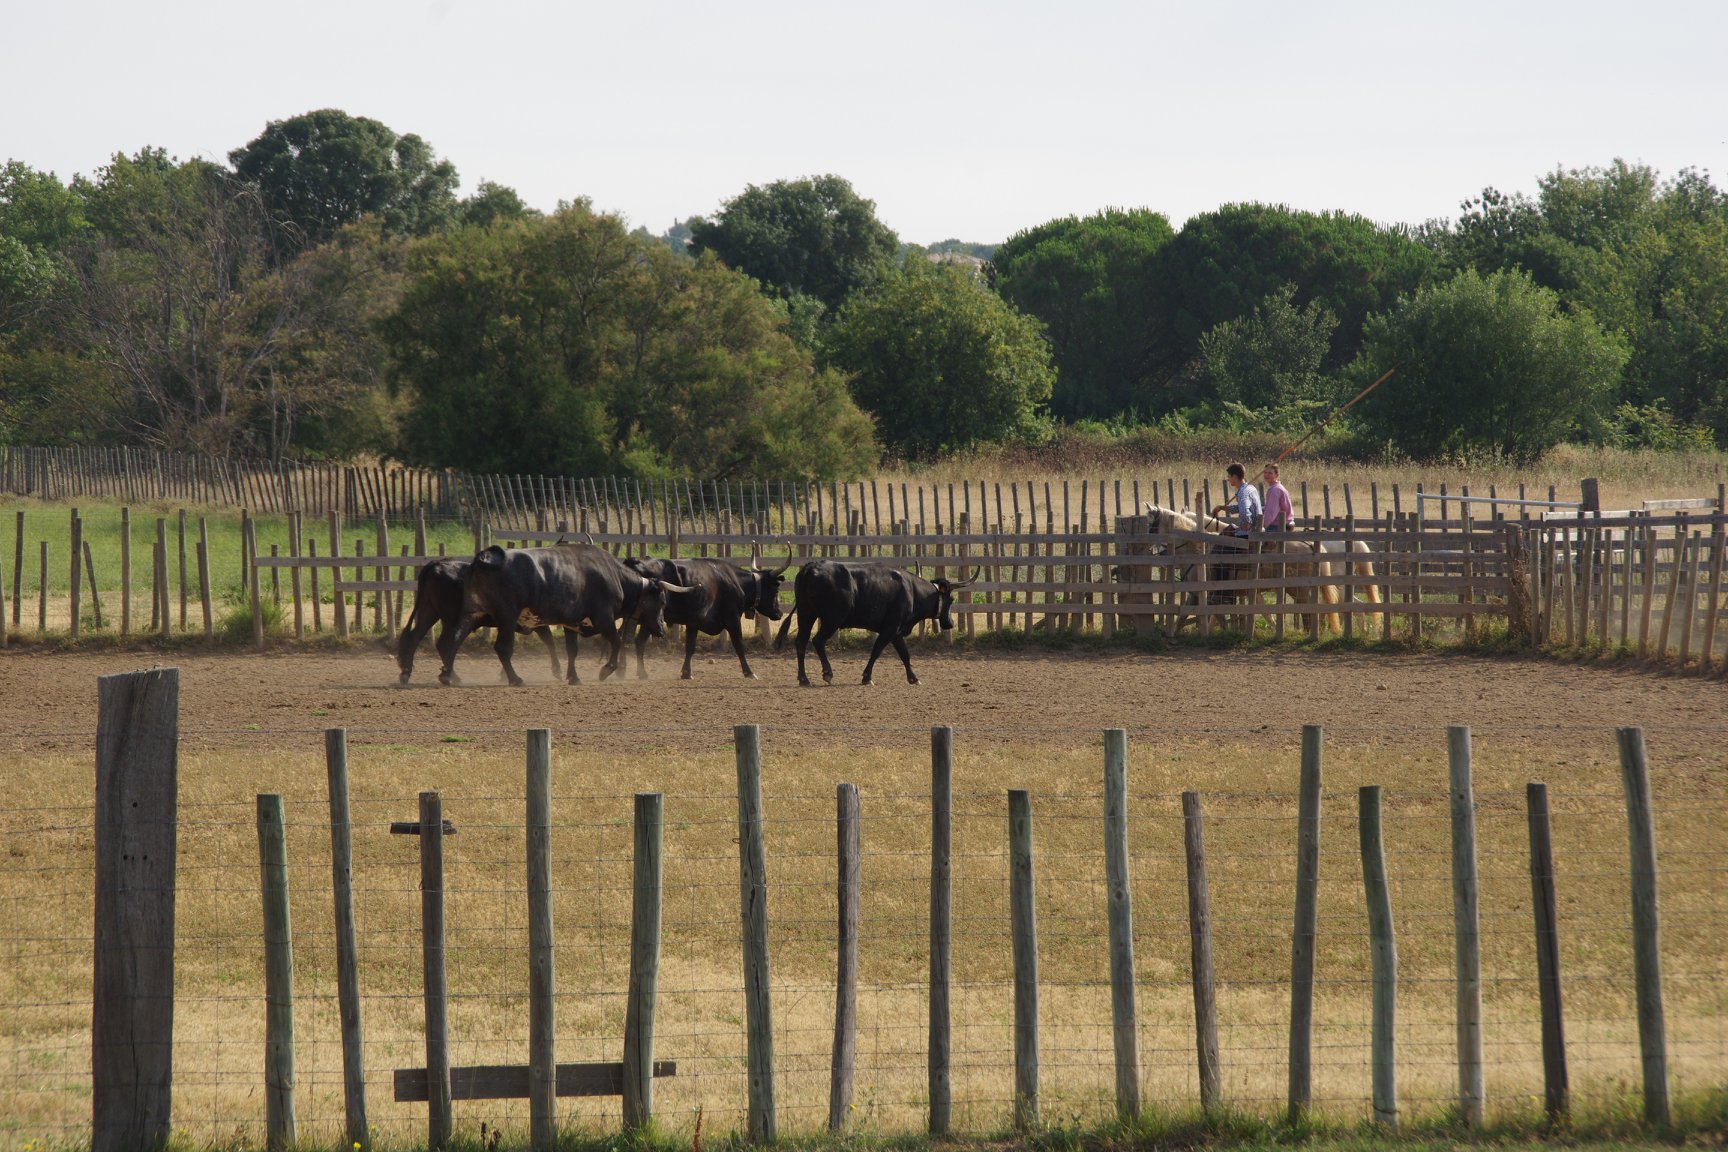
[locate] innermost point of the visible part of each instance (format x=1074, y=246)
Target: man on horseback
x=1246, y=505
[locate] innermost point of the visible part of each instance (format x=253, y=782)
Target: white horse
x=1177, y=520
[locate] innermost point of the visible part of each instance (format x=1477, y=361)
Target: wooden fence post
x=644, y=964
x=1119, y=897
x=1302, y=939
x=132, y=1017
x=753, y=894
x=941, y=924
x=1646, y=934
x=18, y=568
x=1557, y=1092
x=125, y=569
x=1024, y=930
x=438, y=1115
x=542, y=973
x=278, y=976
x=251, y=550
x=1471, y=1089
x=347, y=952
x=1383, y=947
x=848, y=848
x=1200, y=952
x=76, y=595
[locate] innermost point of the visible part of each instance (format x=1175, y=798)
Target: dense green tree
x=325, y=169
x=1090, y=281
x=39, y=219
x=1485, y=366
x=810, y=237
x=1223, y=263
x=491, y=203
x=1265, y=367
x=941, y=361
x=567, y=345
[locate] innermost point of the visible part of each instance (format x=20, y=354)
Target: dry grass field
x=253, y=723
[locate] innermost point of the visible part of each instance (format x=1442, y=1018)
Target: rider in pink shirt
x=1280, y=514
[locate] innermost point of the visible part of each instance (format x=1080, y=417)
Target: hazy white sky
x=965, y=119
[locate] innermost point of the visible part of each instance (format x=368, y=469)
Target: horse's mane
x=1176, y=520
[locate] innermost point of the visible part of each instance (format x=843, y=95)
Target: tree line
x=327, y=294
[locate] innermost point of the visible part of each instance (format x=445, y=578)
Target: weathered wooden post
x=542, y=972
x=278, y=976
x=753, y=895
x=848, y=848
x=132, y=1016
x=1557, y=1091
x=1200, y=953
x=644, y=964
x=941, y=925
x=1024, y=930
x=251, y=552
x=76, y=584
x=347, y=951
x=1302, y=937
x=1465, y=920
x=1119, y=898
x=1383, y=949
x=436, y=990
x=1646, y=929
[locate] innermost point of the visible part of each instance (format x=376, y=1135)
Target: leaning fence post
x=1646, y=935
x=1556, y=1089
x=438, y=1115
x=132, y=1016
x=542, y=973
x=347, y=953
x=251, y=554
x=644, y=964
x=1200, y=952
x=847, y=838
x=1024, y=930
x=1383, y=945
x=278, y=976
x=1302, y=938
x=1120, y=901
x=941, y=924
x=753, y=893
x=1471, y=1091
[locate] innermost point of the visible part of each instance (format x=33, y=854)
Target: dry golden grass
x=45, y=979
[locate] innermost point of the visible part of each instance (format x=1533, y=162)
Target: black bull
x=564, y=586
x=438, y=600
x=831, y=595
x=722, y=595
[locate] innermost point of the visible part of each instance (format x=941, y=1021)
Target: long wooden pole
x=542, y=972
x=1200, y=953
x=644, y=964
x=436, y=989
x=753, y=896
x=941, y=924
x=849, y=881
x=347, y=948
x=1646, y=927
x=1383, y=952
x=1557, y=1092
x=1120, y=900
x=1466, y=927
x=1302, y=939
x=278, y=976
x=1024, y=930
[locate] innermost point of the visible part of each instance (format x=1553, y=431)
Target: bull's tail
x=785, y=627
x=420, y=619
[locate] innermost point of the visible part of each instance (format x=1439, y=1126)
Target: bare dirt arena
x=1019, y=697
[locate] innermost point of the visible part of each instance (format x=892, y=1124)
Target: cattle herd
x=587, y=591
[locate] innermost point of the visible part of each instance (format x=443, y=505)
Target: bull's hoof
x=606, y=670
x=748, y=675
x=869, y=682
x=641, y=673
x=518, y=682
x=804, y=682
x=572, y=679
x=448, y=679
x=911, y=677
x=402, y=679
x=686, y=674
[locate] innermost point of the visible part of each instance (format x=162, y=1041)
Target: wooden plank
x=1557, y=1092
x=511, y=1081
x=1119, y=897
x=136, y=824
x=279, y=1127
x=1646, y=925
x=1383, y=958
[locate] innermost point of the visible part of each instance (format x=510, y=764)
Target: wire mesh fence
x=46, y=909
